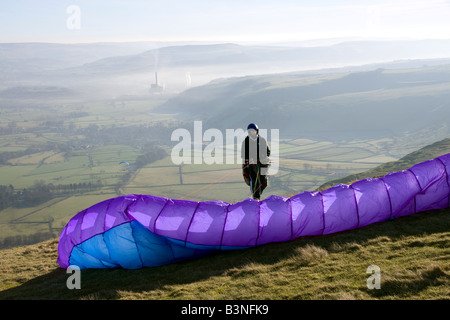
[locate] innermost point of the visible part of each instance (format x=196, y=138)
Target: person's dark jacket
x=252, y=151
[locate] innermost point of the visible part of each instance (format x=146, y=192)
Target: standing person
x=255, y=156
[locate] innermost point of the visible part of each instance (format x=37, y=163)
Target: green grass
x=412, y=253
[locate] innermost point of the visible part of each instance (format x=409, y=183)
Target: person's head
x=252, y=129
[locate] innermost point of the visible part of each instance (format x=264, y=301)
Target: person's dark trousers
x=258, y=182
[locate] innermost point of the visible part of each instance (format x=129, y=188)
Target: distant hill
x=427, y=153
x=270, y=59
x=128, y=68
x=26, y=58
x=35, y=92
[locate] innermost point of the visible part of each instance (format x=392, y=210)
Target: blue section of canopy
x=132, y=246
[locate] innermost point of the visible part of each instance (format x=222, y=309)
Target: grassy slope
x=412, y=253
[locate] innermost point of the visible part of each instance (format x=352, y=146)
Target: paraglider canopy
x=135, y=231
x=124, y=165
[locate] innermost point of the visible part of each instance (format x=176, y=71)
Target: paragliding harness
x=254, y=177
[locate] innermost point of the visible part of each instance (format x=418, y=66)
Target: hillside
x=340, y=106
x=429, y=152
x=412, y=253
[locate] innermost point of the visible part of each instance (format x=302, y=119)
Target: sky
x=79, y=21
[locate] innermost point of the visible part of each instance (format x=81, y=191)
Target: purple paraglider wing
x=136, y=231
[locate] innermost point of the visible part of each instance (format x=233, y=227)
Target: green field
x=299, y=170
x=52, y=144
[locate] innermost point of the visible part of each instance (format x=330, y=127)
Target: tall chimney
x=156, y=77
